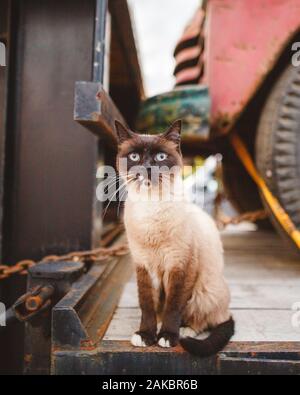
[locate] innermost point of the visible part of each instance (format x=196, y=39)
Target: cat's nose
x=149, y=173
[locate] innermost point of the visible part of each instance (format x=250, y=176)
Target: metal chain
x=20, y=268
x=223, y=221
x=252, y=216
x=96, y=255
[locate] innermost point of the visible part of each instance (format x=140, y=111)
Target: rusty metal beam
x=270, y=358
x=95, y=110
x=125, y=65
x=121, y=358
x=100, y=40
x=81, y=318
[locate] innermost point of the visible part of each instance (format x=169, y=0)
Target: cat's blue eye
x=161, y=156
x=134, y=156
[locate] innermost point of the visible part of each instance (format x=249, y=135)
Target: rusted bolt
x=33, y=303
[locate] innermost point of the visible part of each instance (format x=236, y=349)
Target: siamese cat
x=175, y=246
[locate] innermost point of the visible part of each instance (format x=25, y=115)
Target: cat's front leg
x=178, y=293
x=146, y=336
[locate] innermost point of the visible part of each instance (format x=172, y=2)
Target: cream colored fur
x=167, y=234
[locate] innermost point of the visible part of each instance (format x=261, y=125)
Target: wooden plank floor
x=264, y=277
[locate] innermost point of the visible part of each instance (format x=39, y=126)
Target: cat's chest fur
x=151, y=223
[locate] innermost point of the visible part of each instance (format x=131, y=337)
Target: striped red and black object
x=189, y=52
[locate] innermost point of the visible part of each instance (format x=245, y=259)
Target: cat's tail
x=217, y=340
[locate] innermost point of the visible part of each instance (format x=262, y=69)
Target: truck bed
x=263, y=275
x=264, y=282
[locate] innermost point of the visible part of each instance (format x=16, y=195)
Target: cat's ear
x=174, y=132
x=123, y=133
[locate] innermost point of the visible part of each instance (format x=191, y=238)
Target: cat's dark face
x=149, y=158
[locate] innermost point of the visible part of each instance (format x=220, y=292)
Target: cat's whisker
x=111, y=182
x=121, y=201
x=110, y=188
x=115, y=180
x=115, y=194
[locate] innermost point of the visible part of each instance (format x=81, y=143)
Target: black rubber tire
x=278, y=144
x=241, y=190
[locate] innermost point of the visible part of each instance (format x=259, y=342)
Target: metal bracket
x=57, y=275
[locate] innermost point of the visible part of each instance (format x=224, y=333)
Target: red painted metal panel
x=244, y=40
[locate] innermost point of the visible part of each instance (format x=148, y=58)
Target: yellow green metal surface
x=189, y=103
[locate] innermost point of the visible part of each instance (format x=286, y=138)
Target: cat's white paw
x=187, y=332
x=203, y=336
x=137, y=341
x=164, y=343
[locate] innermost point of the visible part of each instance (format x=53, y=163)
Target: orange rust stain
x=87, y=345
x=88, y=348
